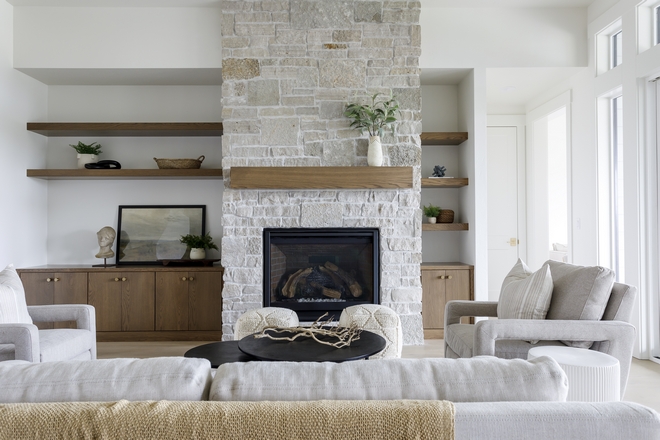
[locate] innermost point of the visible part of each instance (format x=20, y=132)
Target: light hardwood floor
x=643, y=383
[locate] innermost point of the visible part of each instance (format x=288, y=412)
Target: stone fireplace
x=289, y=69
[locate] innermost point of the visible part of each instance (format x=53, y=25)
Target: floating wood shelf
x=453, y=182
x=321, y=177
x=443, y=138
x=61, y=129
x=125, y=174
x=445, y=227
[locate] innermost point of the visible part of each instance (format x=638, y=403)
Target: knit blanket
x=163, y=420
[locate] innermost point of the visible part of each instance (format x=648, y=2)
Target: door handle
x=514, y=242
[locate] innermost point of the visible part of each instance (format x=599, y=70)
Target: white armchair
x=20, y=339
x=26, y=342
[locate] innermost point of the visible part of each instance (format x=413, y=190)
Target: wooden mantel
x=321, y=177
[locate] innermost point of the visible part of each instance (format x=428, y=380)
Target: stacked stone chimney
x=289, y=69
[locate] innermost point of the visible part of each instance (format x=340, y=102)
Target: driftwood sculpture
x=339, y=336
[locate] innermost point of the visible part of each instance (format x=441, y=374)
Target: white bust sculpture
x=106, y=237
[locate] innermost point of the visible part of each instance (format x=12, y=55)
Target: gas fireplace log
x=330, y=293
x=353, y=285
x=335, y=278
x=289, y=289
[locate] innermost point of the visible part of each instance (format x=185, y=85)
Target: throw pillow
x=580, y=292
x=525, y=295
x=13, y=308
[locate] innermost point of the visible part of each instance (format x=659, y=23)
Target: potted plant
x=198, y=245
x=374, y=118
x=87, y=153
x=431, y=212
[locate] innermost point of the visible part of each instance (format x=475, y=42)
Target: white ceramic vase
x=86, y=158
x=375, y=153
x=197, y=253
x=432, y=219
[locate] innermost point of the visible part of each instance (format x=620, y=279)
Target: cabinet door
x=433, y=299
x=457, y=287
x=104, y=293
x=137, y=301
x=44, y=288
x=205, y=301
x=172, y=301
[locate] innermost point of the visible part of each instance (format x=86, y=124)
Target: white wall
x=115, y=38
x=23, y=225
x=77, y=209
x=502, y=37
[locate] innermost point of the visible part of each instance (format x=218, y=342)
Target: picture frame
x=149, y=233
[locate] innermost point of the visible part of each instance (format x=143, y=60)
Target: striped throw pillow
x=13, y=308
x=525, y=295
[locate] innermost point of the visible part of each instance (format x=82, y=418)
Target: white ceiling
x=507, y=3
x=118, y=3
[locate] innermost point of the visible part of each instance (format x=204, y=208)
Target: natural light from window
x=618, y=251
x=616, y=49
x=557, y=186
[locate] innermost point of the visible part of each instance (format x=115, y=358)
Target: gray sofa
x=493, y=398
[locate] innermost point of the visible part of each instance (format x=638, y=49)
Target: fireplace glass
x=314, y=271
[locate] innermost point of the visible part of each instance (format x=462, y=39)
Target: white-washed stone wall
x=289, y=69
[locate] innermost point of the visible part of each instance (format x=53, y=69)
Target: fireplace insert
x=314, y=271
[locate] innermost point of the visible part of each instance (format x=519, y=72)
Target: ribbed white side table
x=592, y=376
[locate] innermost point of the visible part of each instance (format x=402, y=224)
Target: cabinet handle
x=449, y=277
x=123, y=278
x=184, y=279
x=56, y=279
x=48, y=280
x=116, y=279
x=442, y=277
x=191, y=279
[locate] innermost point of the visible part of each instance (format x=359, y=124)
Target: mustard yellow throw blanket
x=162, y=420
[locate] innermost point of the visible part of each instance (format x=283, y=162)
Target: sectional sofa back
x=478, y=379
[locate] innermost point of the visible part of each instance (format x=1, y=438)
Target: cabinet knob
x=56, y=279
x=191, y=279
x=449, y=277
x=123, y=278
x=48, y=280
x=184, y=279
x=116, y=279
x=442, y=277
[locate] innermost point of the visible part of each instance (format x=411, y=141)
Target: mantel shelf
x=125, y=174
x=321, y=177
x=445, y=227
x=453, y=182
x=443, y=138
x=115, y=129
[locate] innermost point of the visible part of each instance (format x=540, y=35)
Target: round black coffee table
x=219, y=353
x=308, y=350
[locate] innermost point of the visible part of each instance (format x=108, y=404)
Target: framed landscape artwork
x=149, y=233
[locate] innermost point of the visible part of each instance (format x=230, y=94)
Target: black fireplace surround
x=314, y=271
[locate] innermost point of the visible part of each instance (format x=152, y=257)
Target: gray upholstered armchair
x=26, y=342
x=507, y=338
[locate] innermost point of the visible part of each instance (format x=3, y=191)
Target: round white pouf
x=254, y=321
x=380, y=320
x=592, y=376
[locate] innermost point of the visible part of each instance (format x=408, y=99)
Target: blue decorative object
x=439, y=171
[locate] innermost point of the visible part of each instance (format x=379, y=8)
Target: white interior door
x=503, y=205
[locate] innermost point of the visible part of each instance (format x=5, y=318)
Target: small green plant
x=373, y=118
x=431, y=211
x=199, y=241
x=93, y=148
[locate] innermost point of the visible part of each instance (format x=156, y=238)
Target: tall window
x=616, y=50
x=557, y=186
x=656, y=25
x=618, y=253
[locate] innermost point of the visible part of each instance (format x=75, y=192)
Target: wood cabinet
x=124, y=301
x=188, y=300
x=442, y=282
x=55, y=288
x=136, y=303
